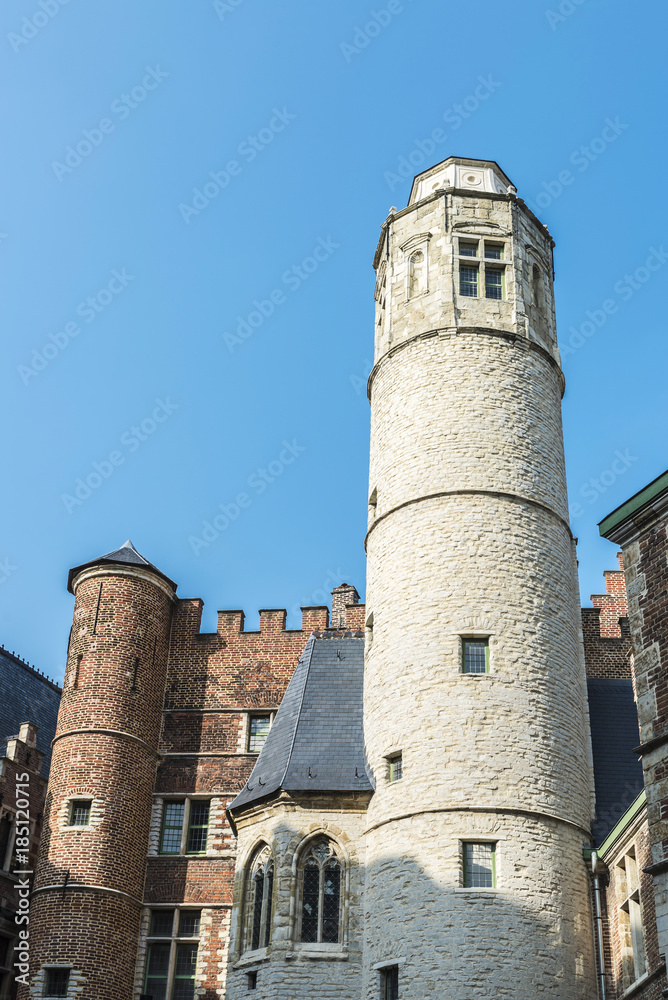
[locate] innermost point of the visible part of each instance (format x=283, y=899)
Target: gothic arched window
x=416, y=274
x=321, y=885
x=259, y=894
x=537, y=286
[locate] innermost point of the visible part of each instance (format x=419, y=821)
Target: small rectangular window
x=80, y=812
x=479, y=865
x=252, y=980
x=468, y=281
x=475, y=656
x=389, y=981
x=494, y=250
x=258, y=731
x=494, y=278
x=198, y=826
x=468, y=248
x=162, y=922
x=395, y=767
x=172, y=827
x=57, y=981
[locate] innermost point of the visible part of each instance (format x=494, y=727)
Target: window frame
x=492, y=844
x=48, y=995
x=262, y=859
x=306, y=854
x=394, y=759
x=74, y=804
x=465, y=640
x=249, y=735
x=186, y=826
x=633, y=947
x=481, y=262
x=173, y=940
x=389, y=982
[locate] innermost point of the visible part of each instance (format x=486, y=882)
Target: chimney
x=341, y=597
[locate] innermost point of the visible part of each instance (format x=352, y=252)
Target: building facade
x=432, y=794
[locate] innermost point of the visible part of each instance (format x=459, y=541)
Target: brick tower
x=85, y=908
x=474, y=701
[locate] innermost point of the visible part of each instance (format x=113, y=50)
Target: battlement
x=614, y=603
x=605, y=629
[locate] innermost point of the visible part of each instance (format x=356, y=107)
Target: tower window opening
x=57, y=982
x=321, y=885
x=395, y=767
x=494, y=251
x=389, y=983
x=468, y=280
x=475, y=656
x=185, y=826
x=479, y=865
x=259, y=899
x=468, y=248
x=80, y=812
x=494, y=283
x=258, y=730
x=537, y=286
x=252, y=980
x=416, y=278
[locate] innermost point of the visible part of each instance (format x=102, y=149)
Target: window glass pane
x=184, y=989
x=390, y=983
x=162, y=922
x=157, y=988
x=269, y=892
x=475, y=656
x=258, y=731
x=468, y=281
x=479, y=866
x=330, y=903
x=494, y=250
x=172, y=827
x=198, y=826
x=189, y=923
x=158, y=959
x=56, y=982
x=310, y=903
x=468, y=248
x=80, y=814
x=493, y=283
x=258, y=895
x=186, y=960
x=396, y=768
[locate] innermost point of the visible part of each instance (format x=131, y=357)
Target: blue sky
x=125, y=294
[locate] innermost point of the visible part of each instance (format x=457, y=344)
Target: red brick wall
x=605, y=629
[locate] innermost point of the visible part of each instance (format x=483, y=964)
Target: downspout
x=599, y=925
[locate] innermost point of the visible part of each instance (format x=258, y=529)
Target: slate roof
x=614, y=733
x=316, y=742
x=126, y=554
x=27, y=696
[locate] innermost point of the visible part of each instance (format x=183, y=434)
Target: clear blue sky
x=303, y=110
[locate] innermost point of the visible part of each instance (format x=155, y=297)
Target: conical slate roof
x=126, y=554
x=316, y=743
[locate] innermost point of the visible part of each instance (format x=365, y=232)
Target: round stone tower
x=86, y=904
x=475, y=699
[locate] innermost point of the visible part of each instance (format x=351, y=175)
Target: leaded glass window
x=172, y=827
x=468, y=280
x=198, y=826
x=479, y=865
x=172, y=963
x=258, y=731
x=493, y=283
x=321, y=887
x=475, y=656
x=259, y=899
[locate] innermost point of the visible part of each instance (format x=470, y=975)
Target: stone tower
x=89, y=885
x=474, y=698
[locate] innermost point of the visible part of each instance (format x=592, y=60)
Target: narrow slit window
x=494, y=277
x=395, y=767
x=259, y=900
x=252, y=980
x=80, y=812
x=468, y=280
x=389, y=982
x=198, y=826
x=479, y=866
x=475, y=656
x=258, y=731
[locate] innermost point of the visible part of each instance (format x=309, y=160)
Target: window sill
x=476, y=890
x=251, y=957
x=319, y=952
x=644, y=979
